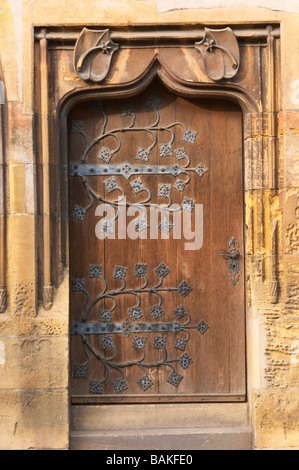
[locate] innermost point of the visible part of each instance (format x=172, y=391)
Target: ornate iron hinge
x=107, y=329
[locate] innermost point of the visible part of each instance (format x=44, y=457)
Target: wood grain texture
x=217, y=372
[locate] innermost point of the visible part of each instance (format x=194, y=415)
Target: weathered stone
x=35, y=362
x=34, y=419
x=34, y=356
x=276, y=414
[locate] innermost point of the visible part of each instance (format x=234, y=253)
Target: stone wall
x=34, y=349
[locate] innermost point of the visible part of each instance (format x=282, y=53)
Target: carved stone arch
x=232, y=93
x=245, y=83
x=255, y=88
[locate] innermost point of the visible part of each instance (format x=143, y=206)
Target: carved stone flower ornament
x=218, y=48
x=93, y=53
x=220, y=52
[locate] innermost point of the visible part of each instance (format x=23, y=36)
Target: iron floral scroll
x=134, y=326
x=94, y=50
x=181, y=170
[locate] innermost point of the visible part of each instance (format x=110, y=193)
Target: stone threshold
x=235, y=438
x=221, y=426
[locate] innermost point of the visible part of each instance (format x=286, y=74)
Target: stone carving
x=93, y=53
x=23, y=299
x=3, y=299
x=220, y=52
x=292, y=233
x=47, y=297
x=94, y=50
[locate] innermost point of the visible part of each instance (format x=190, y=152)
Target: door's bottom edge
x=87, y=399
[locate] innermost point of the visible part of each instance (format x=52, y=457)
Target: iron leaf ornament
x=220, y=52
x=93, y=53
x=140, y=329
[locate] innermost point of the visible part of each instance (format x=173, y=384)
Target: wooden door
x=156, y=316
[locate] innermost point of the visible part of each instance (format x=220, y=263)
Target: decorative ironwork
x=165, y=226
x=188, y=204
x=153, y=102
x=145, y=383
x=164, y=190
x=128, y=170
x=189, y=136
x=78, y=213
x=105, y=155
x=233, y=260
x=180, y=185
x=184, y=289
x=175, y=379
x=107, y=328
x=143, y=154
x=140, y=224
x=165, y=150
x=128, y=328
x=201, y=170
x=133, y=323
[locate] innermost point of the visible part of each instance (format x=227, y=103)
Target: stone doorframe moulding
x=238, y=63
x=3, y=283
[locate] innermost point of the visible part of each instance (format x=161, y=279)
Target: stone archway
x=245, y=89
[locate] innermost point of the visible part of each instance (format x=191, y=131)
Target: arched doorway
x=157, y=303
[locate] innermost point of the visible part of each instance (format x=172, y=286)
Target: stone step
x=189, y=426
x=222, y=438
x=157, y=416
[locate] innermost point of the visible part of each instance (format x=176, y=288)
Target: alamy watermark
x=135, y=221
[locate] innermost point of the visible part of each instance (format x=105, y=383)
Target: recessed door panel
x=156, y=249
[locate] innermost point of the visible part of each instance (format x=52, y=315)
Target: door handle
x=233, y=256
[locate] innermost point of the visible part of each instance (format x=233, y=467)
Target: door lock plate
x=233, y=260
